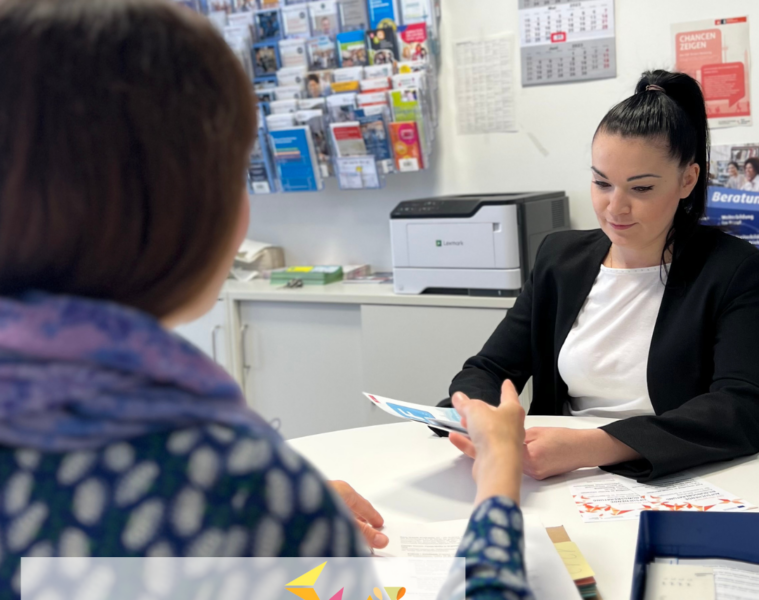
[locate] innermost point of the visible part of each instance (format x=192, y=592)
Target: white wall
x=344, y=227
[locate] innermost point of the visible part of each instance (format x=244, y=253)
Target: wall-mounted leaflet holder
x=358, y=173
x=349, y=87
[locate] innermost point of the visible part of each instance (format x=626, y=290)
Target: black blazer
x=703, y=365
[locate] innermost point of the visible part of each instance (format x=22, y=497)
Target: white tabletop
x=355, y=293
x=410, y=474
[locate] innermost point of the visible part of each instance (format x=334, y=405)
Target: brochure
x=376, y=138
x=280, y=107
x=321, y=53
x=312, y=103
x=341, y=107
x=357, y=173
x=413, y=42
x=383, y=13
x=293, y=76
x=383, y=48
x=295, y=21
x=258, y=178
x=318, y=83
x=292, y=53
x=407, y=106
x=290, y=92
x=324, y=18
x=349, y=74
x=314, y=120
x=352, y=48
x=348, y=139
x=295, y=160
x=284, y=120
x=615, y=498
x=446, y=419
x=353, y=15
x=267, y=25
x=340, y=87
x=380, y=84
x=407, y=147
x=376, y=71
x=265, y=59
x=417, y=11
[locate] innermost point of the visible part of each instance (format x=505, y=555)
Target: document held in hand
x=441, y=418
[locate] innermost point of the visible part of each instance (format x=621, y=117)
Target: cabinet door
x=209, y=333
x=302, y=365
x=411, y=353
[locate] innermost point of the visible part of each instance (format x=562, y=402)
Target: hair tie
x=655, y=88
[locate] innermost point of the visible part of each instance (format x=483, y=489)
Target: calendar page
x=566, y=40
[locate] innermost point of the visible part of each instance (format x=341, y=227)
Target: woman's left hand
x=551, y=451
x=367, y=517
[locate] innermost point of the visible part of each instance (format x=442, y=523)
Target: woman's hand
x=496, y=442
x=554, y=450
x=367, y=517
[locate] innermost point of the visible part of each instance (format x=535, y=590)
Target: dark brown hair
x=125, y=130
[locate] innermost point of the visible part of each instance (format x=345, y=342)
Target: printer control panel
x=426, y=209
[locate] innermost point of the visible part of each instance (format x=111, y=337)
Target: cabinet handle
x=213, y=343
x=245, y=366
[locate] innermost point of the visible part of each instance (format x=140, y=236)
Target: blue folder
x=731, y=536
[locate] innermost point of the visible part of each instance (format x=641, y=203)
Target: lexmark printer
x=474, y=244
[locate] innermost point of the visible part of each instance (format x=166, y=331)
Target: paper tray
x=731, y=536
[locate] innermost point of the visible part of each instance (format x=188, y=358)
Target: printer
x=481, y=245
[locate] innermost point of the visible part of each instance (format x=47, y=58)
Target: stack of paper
x=615, y=498
x=577, y=567
x=547, y=577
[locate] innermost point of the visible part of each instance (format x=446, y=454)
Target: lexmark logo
x=441, y=243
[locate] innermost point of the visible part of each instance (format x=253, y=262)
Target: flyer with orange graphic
x=615, y=498
x=716, y=53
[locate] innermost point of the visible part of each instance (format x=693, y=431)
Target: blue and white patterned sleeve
x=493, y=547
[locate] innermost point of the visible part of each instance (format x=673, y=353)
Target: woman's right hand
x=496, y=442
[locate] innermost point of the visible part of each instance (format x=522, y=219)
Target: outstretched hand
x=367, y=517
x=495, y=442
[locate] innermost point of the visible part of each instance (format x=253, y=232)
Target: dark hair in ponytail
x=675, y=114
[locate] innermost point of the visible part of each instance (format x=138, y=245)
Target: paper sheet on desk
x=546, y=573
x=733, y=580
x=442, y=418
x=615, y=498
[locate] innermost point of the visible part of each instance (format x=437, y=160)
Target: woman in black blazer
x=702, y=376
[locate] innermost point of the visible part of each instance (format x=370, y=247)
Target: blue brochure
x=294, y=160
x=375, y=134
x=383, y=13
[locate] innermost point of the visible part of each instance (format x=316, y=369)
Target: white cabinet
x=210, y=333
x=411, y=353
x=304, y=363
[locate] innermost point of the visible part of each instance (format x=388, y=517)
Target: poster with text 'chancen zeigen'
x=716, y=53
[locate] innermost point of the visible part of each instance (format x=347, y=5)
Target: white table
x=410, y=474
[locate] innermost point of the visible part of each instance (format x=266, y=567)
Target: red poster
x=716, y=53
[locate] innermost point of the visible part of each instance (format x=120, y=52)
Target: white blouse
x=604, y=359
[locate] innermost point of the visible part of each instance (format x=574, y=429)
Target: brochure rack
x=347, y=88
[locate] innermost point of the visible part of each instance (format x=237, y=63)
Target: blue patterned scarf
x=78, y=373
